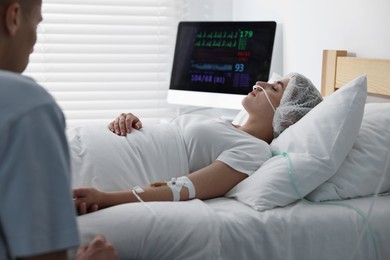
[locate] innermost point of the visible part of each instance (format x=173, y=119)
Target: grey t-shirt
x=37, y=214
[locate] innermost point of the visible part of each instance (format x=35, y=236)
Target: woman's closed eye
x=277, y=85
x=281, y=83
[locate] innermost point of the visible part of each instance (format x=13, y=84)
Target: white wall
x=209, y=10
x=309, y=26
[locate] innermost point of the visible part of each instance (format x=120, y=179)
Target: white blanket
x=221, y=228
x=108, y=162
x=172, y=230
x=226, y=229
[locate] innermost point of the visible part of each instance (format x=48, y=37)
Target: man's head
x=18, y=25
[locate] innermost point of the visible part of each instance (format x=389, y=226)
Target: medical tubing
x=266, y=95
x=135, y=191
x=366, y=226
x=290, y=172
x=377, y=190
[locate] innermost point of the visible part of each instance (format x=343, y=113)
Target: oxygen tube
x=366, y=226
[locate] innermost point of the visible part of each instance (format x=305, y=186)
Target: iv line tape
x=365, y=218
x=175, y=189
x=176, y=184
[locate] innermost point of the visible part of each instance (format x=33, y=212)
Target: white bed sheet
x=302, y=231
x=227, y=229
x=221, y=228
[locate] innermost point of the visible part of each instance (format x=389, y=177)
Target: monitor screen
x=223, y=58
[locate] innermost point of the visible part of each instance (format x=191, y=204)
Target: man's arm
x=61, y=255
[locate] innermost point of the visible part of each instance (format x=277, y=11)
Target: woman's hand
x=88, y=200
x=124, y=123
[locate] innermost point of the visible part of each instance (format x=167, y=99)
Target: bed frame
x=225, y=228
x=338, y=69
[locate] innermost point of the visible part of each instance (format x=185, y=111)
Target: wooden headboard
x=338, y=69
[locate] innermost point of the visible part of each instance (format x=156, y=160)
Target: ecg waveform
x=217, y=35
x=218, y=39
x=216, y=43
x=229, y=46
x=214, y=67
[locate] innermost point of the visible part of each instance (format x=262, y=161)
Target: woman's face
x=265, y=97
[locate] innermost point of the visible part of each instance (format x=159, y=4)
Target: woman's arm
x=210, y=182
x=215, y=180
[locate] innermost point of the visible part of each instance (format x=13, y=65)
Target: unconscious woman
x=219, y=154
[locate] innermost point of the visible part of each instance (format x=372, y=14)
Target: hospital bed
x=310, y=201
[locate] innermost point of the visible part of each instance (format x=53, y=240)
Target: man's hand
x=98, y=249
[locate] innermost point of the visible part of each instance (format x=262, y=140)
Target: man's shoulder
x=14, y=82
x=18, y=93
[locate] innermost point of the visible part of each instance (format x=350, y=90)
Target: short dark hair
x=5, y=2
x=25, y=5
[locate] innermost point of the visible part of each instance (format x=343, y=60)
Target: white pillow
x=361, y=171
x=316, y=147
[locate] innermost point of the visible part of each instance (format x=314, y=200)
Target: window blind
x=99, y=58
